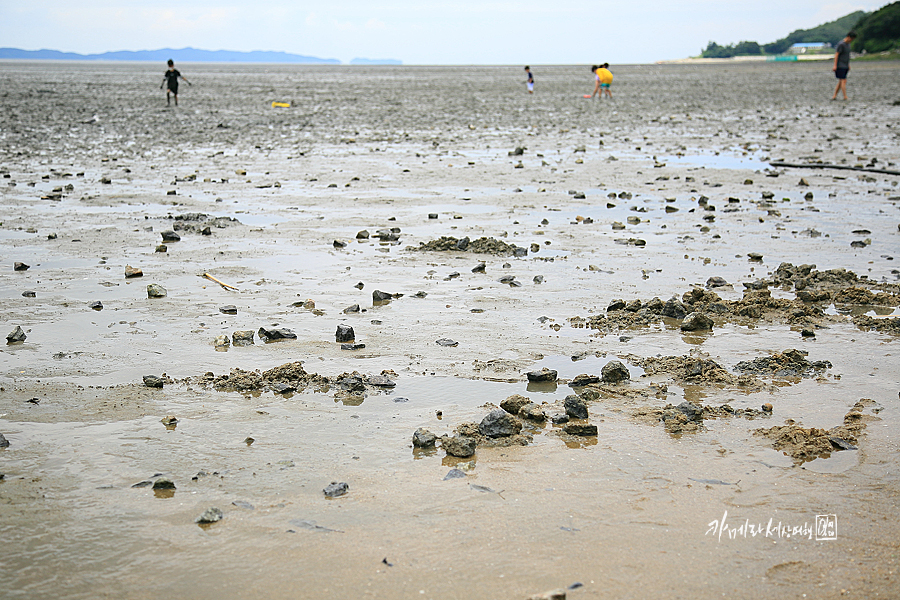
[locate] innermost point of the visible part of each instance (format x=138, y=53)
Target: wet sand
x=627, y=513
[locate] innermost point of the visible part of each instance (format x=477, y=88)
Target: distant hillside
x=879, y=31
x=376, y=61
x=182, y=55
x=831, y=32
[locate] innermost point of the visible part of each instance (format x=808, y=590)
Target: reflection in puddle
x=836, y=462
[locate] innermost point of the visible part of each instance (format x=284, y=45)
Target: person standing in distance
x=530, y=81
x=842, y=64
x=170, y=80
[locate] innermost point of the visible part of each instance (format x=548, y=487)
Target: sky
x=463, y=32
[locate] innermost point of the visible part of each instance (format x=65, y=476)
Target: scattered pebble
x=210, y=515
x=335, y=489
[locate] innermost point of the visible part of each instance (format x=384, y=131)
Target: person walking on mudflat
x=170, y=80
x=530, y=82
x=842, y=64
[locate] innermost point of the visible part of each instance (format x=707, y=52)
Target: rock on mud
x=614, y=371
x=423, y=438
x=20, y=266
x=276, y=333
x=163, y=484
x=344, y=334
x=514, y=404
x=242, y=338
x=336, y=489
x=544, y=374
x=228, y=309
x=156, y=291
x=533, y=412
x=170, y=236
x=499, y=423
x=581, y=429
x=153, y=381
x=15, y=336
x=210, y=515
x=458, y=446
x=576, y=407
x=790, y=363
x=696, y=321
x=4, y=443
x=132, y=272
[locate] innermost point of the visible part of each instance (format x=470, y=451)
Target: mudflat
x=546, y=342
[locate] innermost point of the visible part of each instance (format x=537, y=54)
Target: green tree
x=879, y=31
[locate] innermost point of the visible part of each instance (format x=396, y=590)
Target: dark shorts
x=841, y=73
x=173, y=87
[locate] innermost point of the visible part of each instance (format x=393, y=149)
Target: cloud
x=375, y=24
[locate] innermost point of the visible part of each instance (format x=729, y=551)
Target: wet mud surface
x=582, y=331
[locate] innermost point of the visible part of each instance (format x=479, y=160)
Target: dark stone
x=4, y=443
x=447, y=342
x=696, y=322
x=28, y=294
x=674, y=308
x=344, y=334
x=352, y=346
x=519, y=252
x=163, y=484
x=339, y=244
x=162, y=248
x=615, y=305
x=283, y=388
x=279, y=333
x=352, y=309
x=242, y=338
x=132, y=272
x=755, y=256
x=423, y=438
x=379, y=296
x=460, y=447
x=514, y=404
x=808, y=333
x=432, y=215
x=335, y=489
x=582, y=429
x=499, y=423
x=479, y=268
x=576, y=407
x=96, y=305
x=15, y=336
x=170, y=236
x=380, y=381
x=362, y=235
x=714, y=282
x=153, y=381
x=507, y=279
x=228, y=309
x=206, y=231
x=538, y=279
x=544, y=374
x=462, y=244
x=559, y=419
x=210, y=515
x=155, y=290
x=20, y=266
x=454, y=474
x=691, y=411
x=614, y=371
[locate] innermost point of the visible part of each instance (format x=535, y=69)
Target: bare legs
x=840, y=87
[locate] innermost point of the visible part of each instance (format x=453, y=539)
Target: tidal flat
x=731, y=328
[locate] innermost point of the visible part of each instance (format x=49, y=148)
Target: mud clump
x=806, y=444
x=695, y=370
x=891, y=326
x=483, y=245
x=790, y=363
x=239, y=380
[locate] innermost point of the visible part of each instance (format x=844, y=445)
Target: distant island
x=878, y=31
x=189, y=55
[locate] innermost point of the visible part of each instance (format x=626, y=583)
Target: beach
x=504, y=233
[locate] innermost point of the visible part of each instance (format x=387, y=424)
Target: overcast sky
x=416, y=31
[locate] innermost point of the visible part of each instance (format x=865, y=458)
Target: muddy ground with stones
x=546, y=342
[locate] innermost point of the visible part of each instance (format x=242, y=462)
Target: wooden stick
x=224, y=285
x=827, y=166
